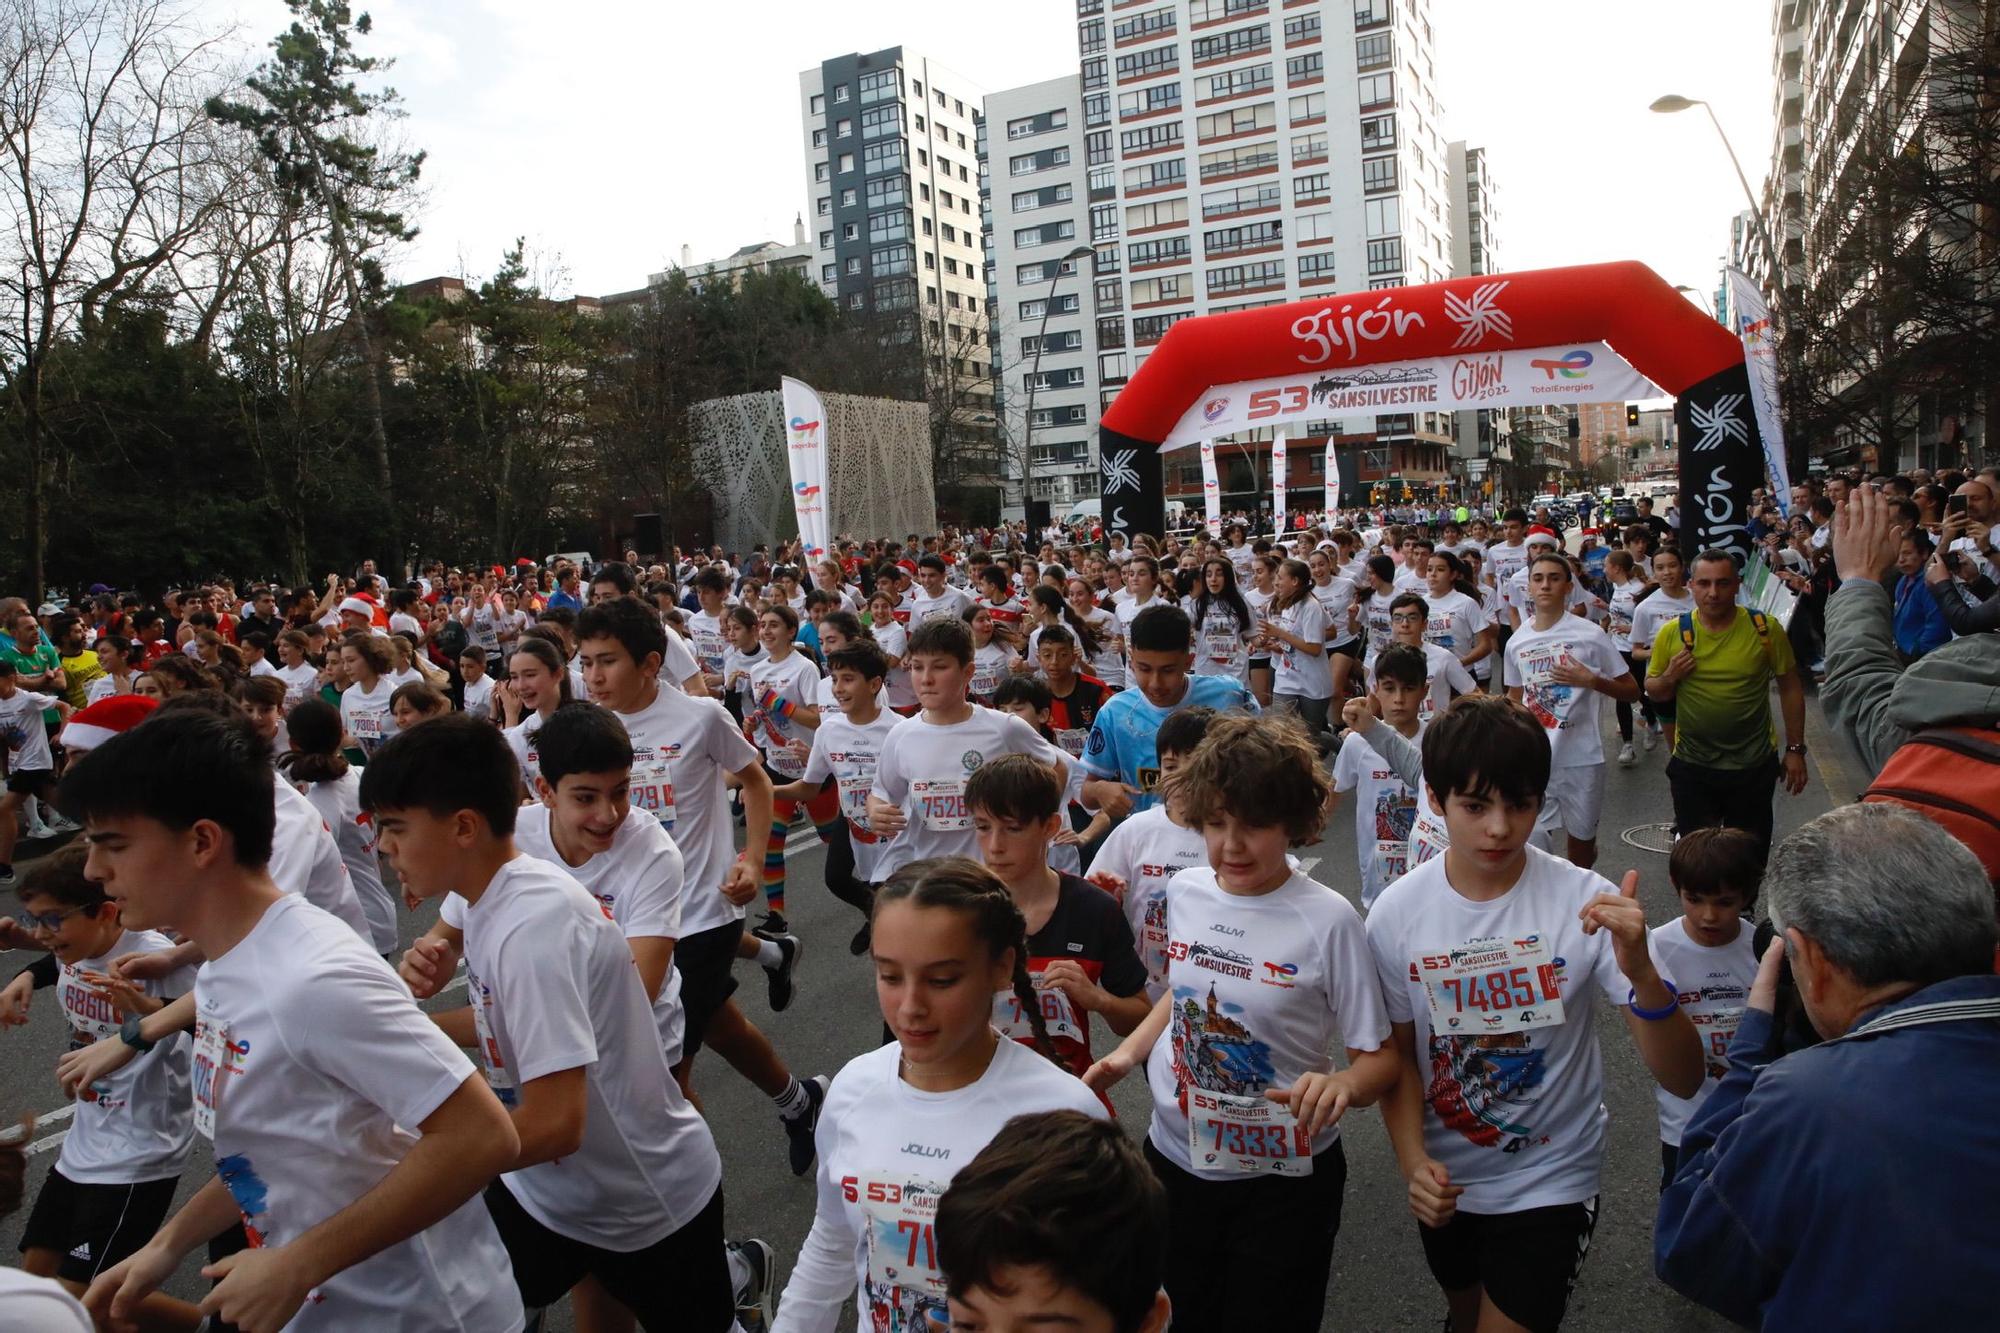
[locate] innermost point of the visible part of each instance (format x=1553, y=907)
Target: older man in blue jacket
x=1855, y=1184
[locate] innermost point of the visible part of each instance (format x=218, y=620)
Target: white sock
x=769, y=955
x=793, y=1101
x=739, y=1270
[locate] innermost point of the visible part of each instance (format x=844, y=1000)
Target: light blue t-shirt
x=1124, y=740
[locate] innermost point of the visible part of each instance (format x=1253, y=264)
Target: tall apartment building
x=1234, y=153
x=892, y=173
x=1485, y=435
x=1857, y=84
x=1045, y=342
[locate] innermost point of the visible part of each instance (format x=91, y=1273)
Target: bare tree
x=101, y=132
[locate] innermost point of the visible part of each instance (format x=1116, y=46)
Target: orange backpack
x=1950, y=775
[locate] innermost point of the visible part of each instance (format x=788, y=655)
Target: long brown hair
x=961, y=885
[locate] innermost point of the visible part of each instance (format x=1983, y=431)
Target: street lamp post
x=1674, y=102
x=1035, y=371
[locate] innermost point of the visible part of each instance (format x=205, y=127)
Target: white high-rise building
x=892, y=180
x=1043, y=308
x=1485, y=435
x=1240, y=153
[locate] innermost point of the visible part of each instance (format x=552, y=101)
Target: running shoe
x=755, y=1296
x=60, y=824
x=1627, y=756
x=8, y=879
x=799, y=1129
x=1649, y=736
x=772, y=926
x=779, y=978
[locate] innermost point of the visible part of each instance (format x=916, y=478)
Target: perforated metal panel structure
x=879, y=462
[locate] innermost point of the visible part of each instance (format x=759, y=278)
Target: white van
x=1085, y=511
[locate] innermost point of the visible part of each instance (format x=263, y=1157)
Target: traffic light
x=1631, y=414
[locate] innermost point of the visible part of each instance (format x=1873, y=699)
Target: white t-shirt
x=22, y=733
x=849, y=754
x=301, y=683
x=479, y=697
x=1336, y=599
x=1376, y=619
x=1444, y=674
x=1456, y=622
x=365, y=713
x=1567, y=712
x=338, y=802
x=1713, y=983
x=401, y=622
x=553, y=987
x=305, y=859
x=711, y=645
x=1221, y=642
x=1107, y=664
x=681, y=746
x=137, y=1123
x=1385, y=809
x=1127, y=610
x=310, y=1063
x=518, y=740
x=1514, y=595
x=796, y=680
x=990, y=666
x=1147, y=851
x=1264, y=987
x=1618, y=613
x=894, y=640
x=1655, y=611
x=1504, y=560
x=39, y=1305
x=923, y=768
x=951, y=602
x=678, y=663
x=1516, y=1116
x=886, y=1153
x=1305, y=674
x=639, y=880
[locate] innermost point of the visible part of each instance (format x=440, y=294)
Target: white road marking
x=43, y=1145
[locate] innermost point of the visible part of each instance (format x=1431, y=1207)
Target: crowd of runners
x=1060, y=780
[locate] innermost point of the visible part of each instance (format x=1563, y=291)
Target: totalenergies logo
x=1571, y=367
x=1753, y=331
x=805, y=490
x=805, y=434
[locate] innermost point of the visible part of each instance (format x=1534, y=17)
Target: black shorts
x=1350, y=649
x=36, y=782
x=95, y=1226
x=1526, y=1262
x=706, y=961
x=680, y=1281
x=1260, y=664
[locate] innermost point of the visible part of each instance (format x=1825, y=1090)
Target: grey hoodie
x=1876, y=702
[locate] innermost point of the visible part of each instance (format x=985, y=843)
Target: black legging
x=840, y=878
x=1638, y=670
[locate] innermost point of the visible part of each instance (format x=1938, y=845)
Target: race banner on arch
x=1603, y=333
x=1211, y=490
x=805, y=448
x=1278, y=482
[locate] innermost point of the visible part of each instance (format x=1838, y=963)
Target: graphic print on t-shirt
x=1212, y=1048
x=1547, y=698
x=247, y=1188
x=904, y=1288
x=1395, y=813
x=1486, y=1087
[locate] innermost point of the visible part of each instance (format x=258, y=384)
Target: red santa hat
x=90, y=727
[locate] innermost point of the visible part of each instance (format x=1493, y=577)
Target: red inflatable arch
x=1471, y=326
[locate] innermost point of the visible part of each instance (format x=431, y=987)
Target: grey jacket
x=1876, y=702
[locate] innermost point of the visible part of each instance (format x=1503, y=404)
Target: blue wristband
x=1665, y=1011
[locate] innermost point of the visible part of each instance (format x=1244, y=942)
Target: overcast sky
x=611, y=132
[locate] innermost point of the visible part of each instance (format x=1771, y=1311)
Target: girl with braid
x=900, y=1121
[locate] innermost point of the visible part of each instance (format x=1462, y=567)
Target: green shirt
x=39, y=662
x=1723, y=709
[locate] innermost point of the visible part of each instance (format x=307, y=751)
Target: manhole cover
x=1649, y=837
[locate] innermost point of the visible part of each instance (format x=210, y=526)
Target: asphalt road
x=1380, y=1281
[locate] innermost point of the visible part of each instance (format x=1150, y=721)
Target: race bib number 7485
x=1492, y=985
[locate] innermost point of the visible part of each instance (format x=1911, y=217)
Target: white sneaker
x=58, y=823
x=1626, y=758
x=35, y=830
x=1649, y=736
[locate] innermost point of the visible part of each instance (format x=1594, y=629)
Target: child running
x=1266, y=970
x=315, y=766
x=901, y=1120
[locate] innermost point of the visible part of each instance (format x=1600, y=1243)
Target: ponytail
x=961, y=885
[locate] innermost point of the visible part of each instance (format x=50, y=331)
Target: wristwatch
x=1798, y=749
x=128, y=1032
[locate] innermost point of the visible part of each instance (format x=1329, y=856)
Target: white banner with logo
x=1332, y=504
x=1517, y=377
x=1750, y=320
x=1278, y=482
x=805, y=441
x=1211, y=492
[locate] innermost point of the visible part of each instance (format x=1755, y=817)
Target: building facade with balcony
x=1044, y=315
x=1485, y=443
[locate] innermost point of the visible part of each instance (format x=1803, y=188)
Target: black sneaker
x=799, y=1129
x=863, y=938
x=782, y=987
x=754, y=1298
x=772, y=927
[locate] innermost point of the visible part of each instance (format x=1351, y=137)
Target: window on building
x=1375, y=50
x=1109, y=296
x=1096, y=74
x=819, y=138
x=1090, y=37
x=1316, y=267
x=1313, y=185
x=1308, y=68
x=1158, y=213
x=852, y=266
x=893, y=225
x=1308, y=148
x=1145, y=101
x=1385, y=256
x=884, y=156
x=1173, y=249
x=1378, y=174
x=1376, y=90
x=1306, y=108
x=1246, y=277
x=1383, y=217
x=884, y=191
x=1155, y=291
x=1233, y=83
x=828, y=273
x=824, y=205
x=1103, y=222
x=843, y=129
x=817, y=104
x=826, y=240
x=881, y=85
x=847, y=198
x=891, y=259
x=1234, y=121
x=1313, y=227
x=1145, y=64
x=1232, y=44
x=880, y=120
x=1378, y=133
x=1303, y=28
x=846, y=163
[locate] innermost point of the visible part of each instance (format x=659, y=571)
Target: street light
x=1035, y=371
x=1674, y=102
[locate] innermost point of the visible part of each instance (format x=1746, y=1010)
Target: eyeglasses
x=1407, y=618
x=50, y=921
